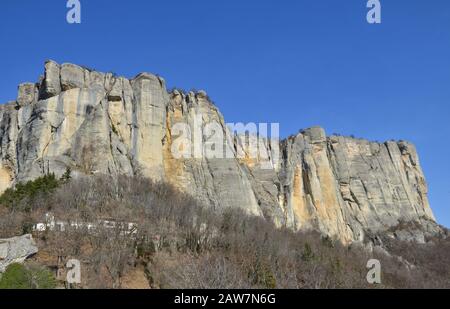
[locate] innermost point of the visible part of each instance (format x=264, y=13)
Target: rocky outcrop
x=219, y=181
x=100, y=123
x=345, y=186
x=16, y=250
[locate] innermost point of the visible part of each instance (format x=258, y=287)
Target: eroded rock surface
x=16, y=250
x=97, y=122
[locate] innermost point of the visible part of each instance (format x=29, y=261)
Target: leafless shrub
x=185, y=271
x=185, y=245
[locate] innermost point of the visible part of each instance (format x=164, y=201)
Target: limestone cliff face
x=100, y=123
x=344, y=186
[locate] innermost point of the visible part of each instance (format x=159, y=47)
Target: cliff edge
x=97, y=122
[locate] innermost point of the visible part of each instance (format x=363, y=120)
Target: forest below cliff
x=180, y=243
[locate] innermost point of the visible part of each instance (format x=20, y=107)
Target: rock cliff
x=100, y=123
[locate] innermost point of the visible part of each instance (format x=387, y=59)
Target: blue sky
x=299, y=63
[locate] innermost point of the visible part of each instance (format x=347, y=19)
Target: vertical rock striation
x=99, y=123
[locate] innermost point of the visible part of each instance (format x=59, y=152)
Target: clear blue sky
x=300, y=63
